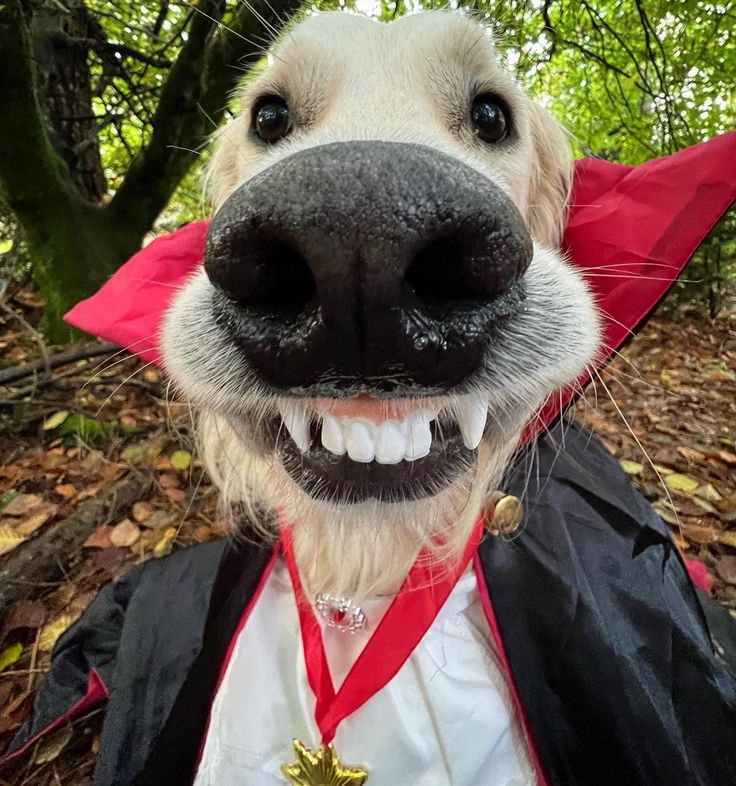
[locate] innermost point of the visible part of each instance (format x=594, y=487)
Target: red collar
x=631, y=230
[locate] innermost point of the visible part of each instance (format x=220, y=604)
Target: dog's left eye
x=271, y=119
x=489, y=118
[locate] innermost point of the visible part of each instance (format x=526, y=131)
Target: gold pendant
x=321, y=768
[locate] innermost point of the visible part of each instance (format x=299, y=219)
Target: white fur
x=407, y=81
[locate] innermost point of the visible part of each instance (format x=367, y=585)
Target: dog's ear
x=551, y=176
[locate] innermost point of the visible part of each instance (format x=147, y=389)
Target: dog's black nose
x=366, y=266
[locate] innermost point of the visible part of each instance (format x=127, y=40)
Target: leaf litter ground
x=70, y=436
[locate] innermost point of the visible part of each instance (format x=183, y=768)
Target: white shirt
x=445, y=719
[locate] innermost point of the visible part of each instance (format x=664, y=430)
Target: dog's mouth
x=362, y=448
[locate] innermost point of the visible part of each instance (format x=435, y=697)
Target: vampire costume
x=576, y=652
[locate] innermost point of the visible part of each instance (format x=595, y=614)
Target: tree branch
x=193, y=101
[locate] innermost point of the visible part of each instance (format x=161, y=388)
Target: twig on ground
x=70, y=355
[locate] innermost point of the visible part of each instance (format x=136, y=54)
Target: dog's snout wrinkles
x=366, y=264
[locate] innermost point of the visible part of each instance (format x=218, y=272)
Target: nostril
x=288, y=283
x=439, y=272
x=272, y=277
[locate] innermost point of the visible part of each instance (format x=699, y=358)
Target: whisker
x=127, y=379
x=641, y=447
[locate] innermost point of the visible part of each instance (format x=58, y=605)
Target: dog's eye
x=489, y=118
x=271, y=119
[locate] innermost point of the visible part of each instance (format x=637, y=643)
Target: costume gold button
x=505, y=516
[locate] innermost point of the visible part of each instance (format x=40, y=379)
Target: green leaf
x=7, y=498
x=181, y=459
x=10, y=655
x=631, y=467
x=678, y=482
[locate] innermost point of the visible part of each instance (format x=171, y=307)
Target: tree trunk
x=50, y=172
x=74, y=253
x=59, y=39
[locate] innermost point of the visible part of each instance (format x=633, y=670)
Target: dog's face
x=382, y=297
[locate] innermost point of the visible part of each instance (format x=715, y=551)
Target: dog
x=390, y=203
x=382, y=311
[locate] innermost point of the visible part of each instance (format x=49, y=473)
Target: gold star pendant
x=321, y=768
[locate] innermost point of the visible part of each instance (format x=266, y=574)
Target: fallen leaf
x=177, y=496
x=100, y=538
x=168, y=481
x=704, y=505
x=708, y=492
x=727, y=504
x=110, y=560
x=160, y=519
x=55, y=420
x=66, y=490
x=728, y=539
x=25, y=614
x=110, y=472
x=32, y=523
x=164, y=545
x=9, y=539
x=10, y=655
x=678, y=482
x=631, y=467
x=22, y=505
x=698, y=533
x=203, y=533
x=142, y=511
x=692, y=455
x=181, y=460
x=53, y=744
x=726, y=568
x=124, y=534
x=89, y=491
x=727, y=457
x=51, y=632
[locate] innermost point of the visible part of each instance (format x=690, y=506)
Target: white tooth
x=359, y=441
x=390, y=442
x=419, y=437
x=296, y=421
x=471, y=417
x=333, y=437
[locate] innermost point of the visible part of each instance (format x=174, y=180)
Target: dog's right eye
x=271, y=119
x=490, y=118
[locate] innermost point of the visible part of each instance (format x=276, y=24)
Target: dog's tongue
x=631, y=229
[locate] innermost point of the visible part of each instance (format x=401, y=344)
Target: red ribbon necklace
x=408, y=618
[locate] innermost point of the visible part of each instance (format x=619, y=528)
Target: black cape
x=609, y=647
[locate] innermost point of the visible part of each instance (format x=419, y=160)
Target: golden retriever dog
x=384, y=304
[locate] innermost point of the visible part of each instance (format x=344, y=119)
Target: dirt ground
x=95, y=446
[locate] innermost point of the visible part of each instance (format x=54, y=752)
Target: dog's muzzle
x=366, y=266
